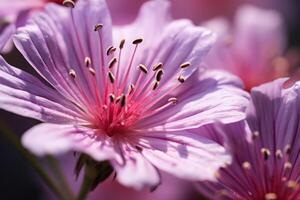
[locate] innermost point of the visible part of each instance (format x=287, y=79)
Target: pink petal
x=53, y=47
x=55, y=139
x=184, y=154
x=23, y=94
x=5, y=37
x=215, y=96
x=137, y=171
x=147, y=25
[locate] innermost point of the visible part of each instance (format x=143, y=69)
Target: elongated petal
x=25, y=95
x=147, y=25
x=45, y=139
x=171, y=43
x=184, y=154
x=53, y=43
x=137, y=172
x=5, y=36
x=215, y=96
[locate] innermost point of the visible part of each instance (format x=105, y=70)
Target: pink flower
x=252, y=49
x=265, y=150
x=15, y=13
x=110, y=103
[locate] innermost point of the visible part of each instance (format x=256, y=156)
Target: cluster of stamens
x=124, y=101
x=283, y=183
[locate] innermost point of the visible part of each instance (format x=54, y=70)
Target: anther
x=173, y=100
x=287, y=166
x=246, y=165
x=131, y=89
x=140, y=149
x=111, y=77
x=72, y=73
x=98, y=27
x=155, y=85
x=110, y=50
x=185, y=65
x=92, y=71
x=287, y=149
x=111, y=98
x=292, y=185
x=112, y=62
x=69, y=3
x=137, y=41
x=143, y=68
x=266, y=153
x=181, y=79
x=270, y=196
x=157, y=66
x=122, y=100
x=118, y=99
x=159, y=75
x=278, y=154
x=255, y=135
x=87, y=61
x=121, y=45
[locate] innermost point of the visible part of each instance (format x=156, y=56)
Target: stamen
x=292, y=185
x=255, y=135
x=185, y=65
x=159, y=75
x=137, y=41
x=287, y=149
x=87, y=62
x=121, y=45
x=98, y=27
x=181, y=79
x=112, y=62
x=122, y=100
x=118, y=99
x=143, y=68
x=111, y=98
x=111, y=77
x=266, y=153
x=110, y=50
x=140, y=149
x=271, y=196
x=72, y=73
x=92, y=71
x=131, y=89
x=287, y=166
x=155, y=85
x=246, y=165
x=278, y=154
x=173, y=100
x=157, y=66
x=69, y=3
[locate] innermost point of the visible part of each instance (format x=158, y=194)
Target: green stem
x=54, y=166
x=11, y=137
x=87, y=182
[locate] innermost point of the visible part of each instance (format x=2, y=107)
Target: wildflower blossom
x=132, y=101
x=265, y=150
x=252, y=49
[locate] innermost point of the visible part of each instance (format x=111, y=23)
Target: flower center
x=123, y=94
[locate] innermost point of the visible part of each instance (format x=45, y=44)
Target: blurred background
x=19, y=180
